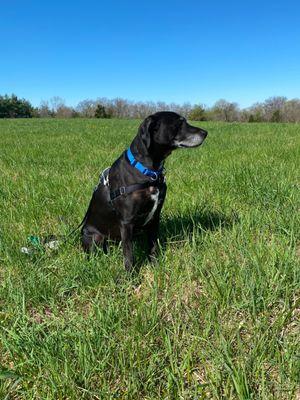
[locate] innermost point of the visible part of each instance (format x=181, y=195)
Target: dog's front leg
x=127, y=245
x=152, y=233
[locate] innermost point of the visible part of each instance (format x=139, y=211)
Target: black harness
x=157, y=179
x=123, y=190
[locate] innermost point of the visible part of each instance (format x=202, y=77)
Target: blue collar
x=146, y=171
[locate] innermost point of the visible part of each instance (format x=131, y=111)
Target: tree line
x=273, y=109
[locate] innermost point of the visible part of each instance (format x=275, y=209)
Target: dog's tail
x=81, y=223
x=103, y=180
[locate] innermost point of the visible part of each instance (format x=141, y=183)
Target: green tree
x=276, y=116
x=255, y=117
x=100, y=112
x=12, y=107
x=197, y=113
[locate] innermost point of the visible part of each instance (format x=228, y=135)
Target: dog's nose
x=204, y=133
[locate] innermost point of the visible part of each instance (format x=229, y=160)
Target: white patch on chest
x=154, y=197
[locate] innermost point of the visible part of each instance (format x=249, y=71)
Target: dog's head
x=171, y=131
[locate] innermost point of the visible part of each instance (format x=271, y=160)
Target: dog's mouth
x=185, y=146
x=189, y=145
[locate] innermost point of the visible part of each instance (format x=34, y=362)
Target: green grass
x=217, y=318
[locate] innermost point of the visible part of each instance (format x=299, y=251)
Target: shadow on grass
x=181, y=226
x=177, y=228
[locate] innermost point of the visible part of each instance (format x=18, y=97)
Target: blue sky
x=174, y=50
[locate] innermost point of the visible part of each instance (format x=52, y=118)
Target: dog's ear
x=146, y=130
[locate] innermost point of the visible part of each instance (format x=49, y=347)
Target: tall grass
x=217, y=318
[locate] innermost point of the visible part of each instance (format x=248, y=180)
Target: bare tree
x=44, y=110
x=87, y=108
x=185, y=109
x=64, y=111
x=121, y=108
x=256, y=113
x=273, y=108
x=161, y=106
x=56, y=102
x=291, y=111
x=223, y=110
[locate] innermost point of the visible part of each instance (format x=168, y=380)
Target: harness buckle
x=122, y=190
x=154, y=176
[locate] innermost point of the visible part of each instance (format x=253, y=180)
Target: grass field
x=217, y=318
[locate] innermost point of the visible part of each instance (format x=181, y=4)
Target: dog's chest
x=154, y=198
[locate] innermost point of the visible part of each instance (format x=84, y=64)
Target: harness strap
x=129, y=189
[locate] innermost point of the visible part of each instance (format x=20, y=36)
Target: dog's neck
x=152, y=157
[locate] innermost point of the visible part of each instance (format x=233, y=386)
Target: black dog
x=131, y=193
